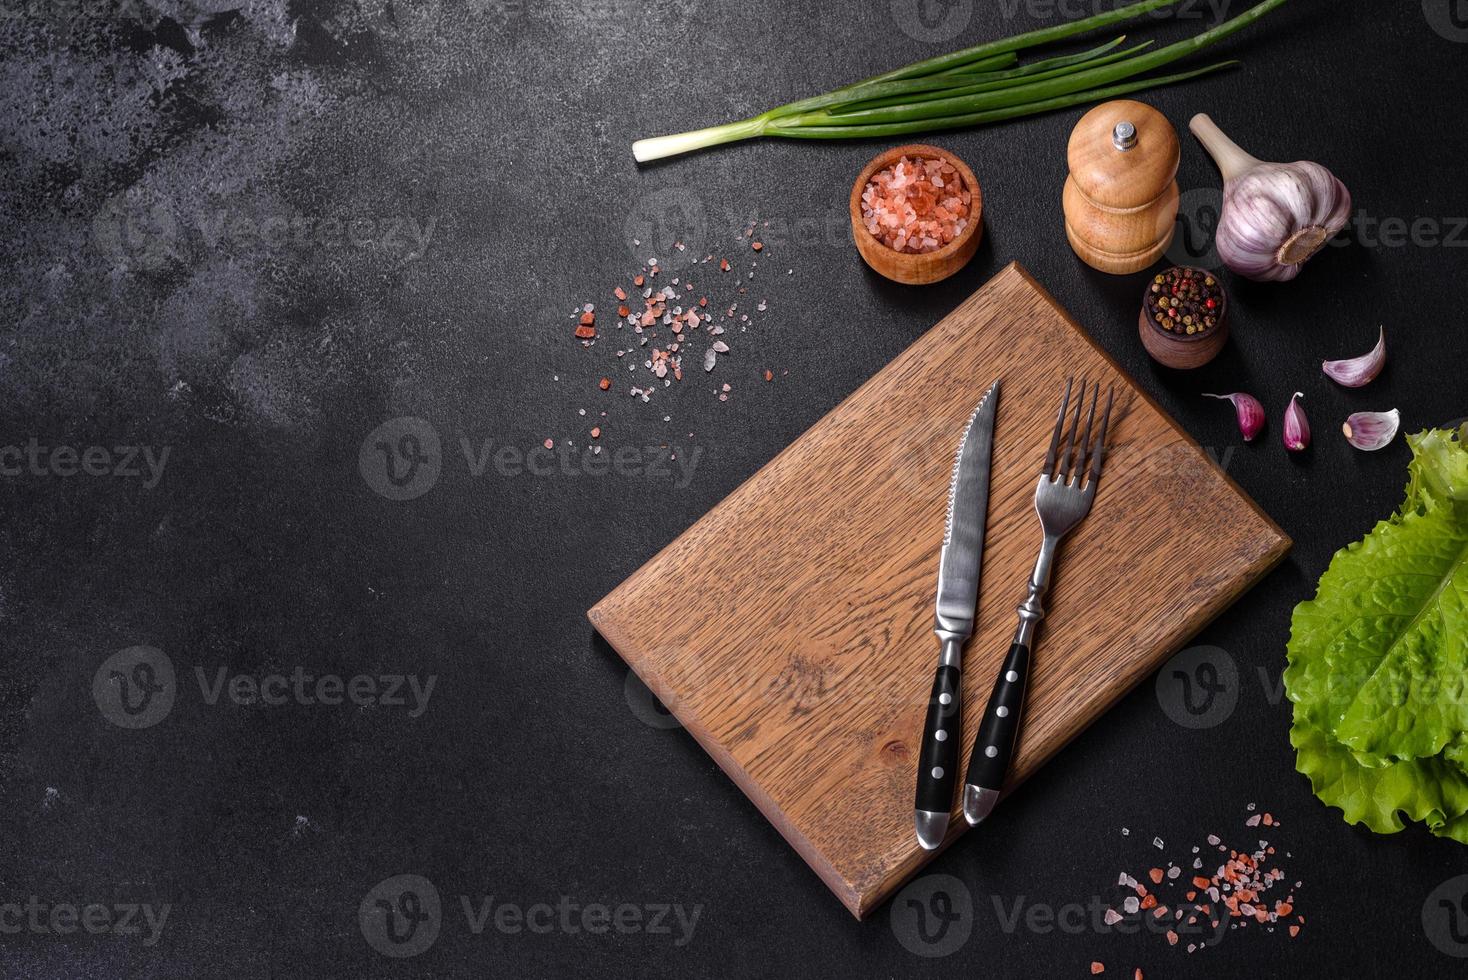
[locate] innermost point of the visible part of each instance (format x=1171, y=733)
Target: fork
x=1062, y=502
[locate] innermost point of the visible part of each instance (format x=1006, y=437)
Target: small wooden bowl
x=1180, y=350
x=917, y=269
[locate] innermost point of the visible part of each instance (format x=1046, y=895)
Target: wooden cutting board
x=790, y=630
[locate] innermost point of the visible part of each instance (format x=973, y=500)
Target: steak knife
x=959, y=565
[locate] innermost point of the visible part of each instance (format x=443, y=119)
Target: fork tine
x=1066, y=458
x=1098, y=455
x=1059, y=423
x=1085, y=443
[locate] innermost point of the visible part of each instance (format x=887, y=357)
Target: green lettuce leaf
x=1378, y=660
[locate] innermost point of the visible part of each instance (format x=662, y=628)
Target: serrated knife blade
x=962, y=557
x=959, y=565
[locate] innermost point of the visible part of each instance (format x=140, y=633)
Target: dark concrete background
x=141, y=312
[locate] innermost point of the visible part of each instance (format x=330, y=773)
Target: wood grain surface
x=790, y=629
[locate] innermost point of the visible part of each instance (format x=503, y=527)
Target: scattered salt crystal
x=1252, y=821
x=1213, y=839
x=709, y=357
x=1112, y=917
x=1174, y=871
x=721, y=347
x=1130, y=904
x=1157, y=843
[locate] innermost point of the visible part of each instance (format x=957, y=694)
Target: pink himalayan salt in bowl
x=917, y=205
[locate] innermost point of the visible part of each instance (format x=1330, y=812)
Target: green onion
x=991, y=115
x=974, y=86
x=1037, y=66
x=1020, y=42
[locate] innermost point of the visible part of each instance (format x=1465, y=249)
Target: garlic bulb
x=1275, y=215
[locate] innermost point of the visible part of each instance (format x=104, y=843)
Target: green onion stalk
x=977, y=85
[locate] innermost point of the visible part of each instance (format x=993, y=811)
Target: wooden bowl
x=917, y=269
x=1180, y=350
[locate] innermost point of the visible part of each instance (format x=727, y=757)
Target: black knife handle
x=938, y=755
x=999, y=728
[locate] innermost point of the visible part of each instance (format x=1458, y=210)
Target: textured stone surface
x=248, y=235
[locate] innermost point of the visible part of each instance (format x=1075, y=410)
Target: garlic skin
x=1357, y=372
x=1371, y=431
x=1250, y=412
x=1296, y=426
x=1276, y=216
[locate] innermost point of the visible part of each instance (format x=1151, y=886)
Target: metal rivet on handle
x=1002, y=711
x=945, y=698
x=941, y=735
x=1011, y=676
x=937, y=772
x=991, y=751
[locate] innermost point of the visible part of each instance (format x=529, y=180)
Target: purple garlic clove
x=1357, y=372
x=1249, y=411
x=1296, y=426
x=1372, y=430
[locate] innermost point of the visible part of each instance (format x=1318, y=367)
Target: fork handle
x=988, y=764
x=999, y=729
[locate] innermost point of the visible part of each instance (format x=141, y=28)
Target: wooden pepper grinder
x=1121, y=197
